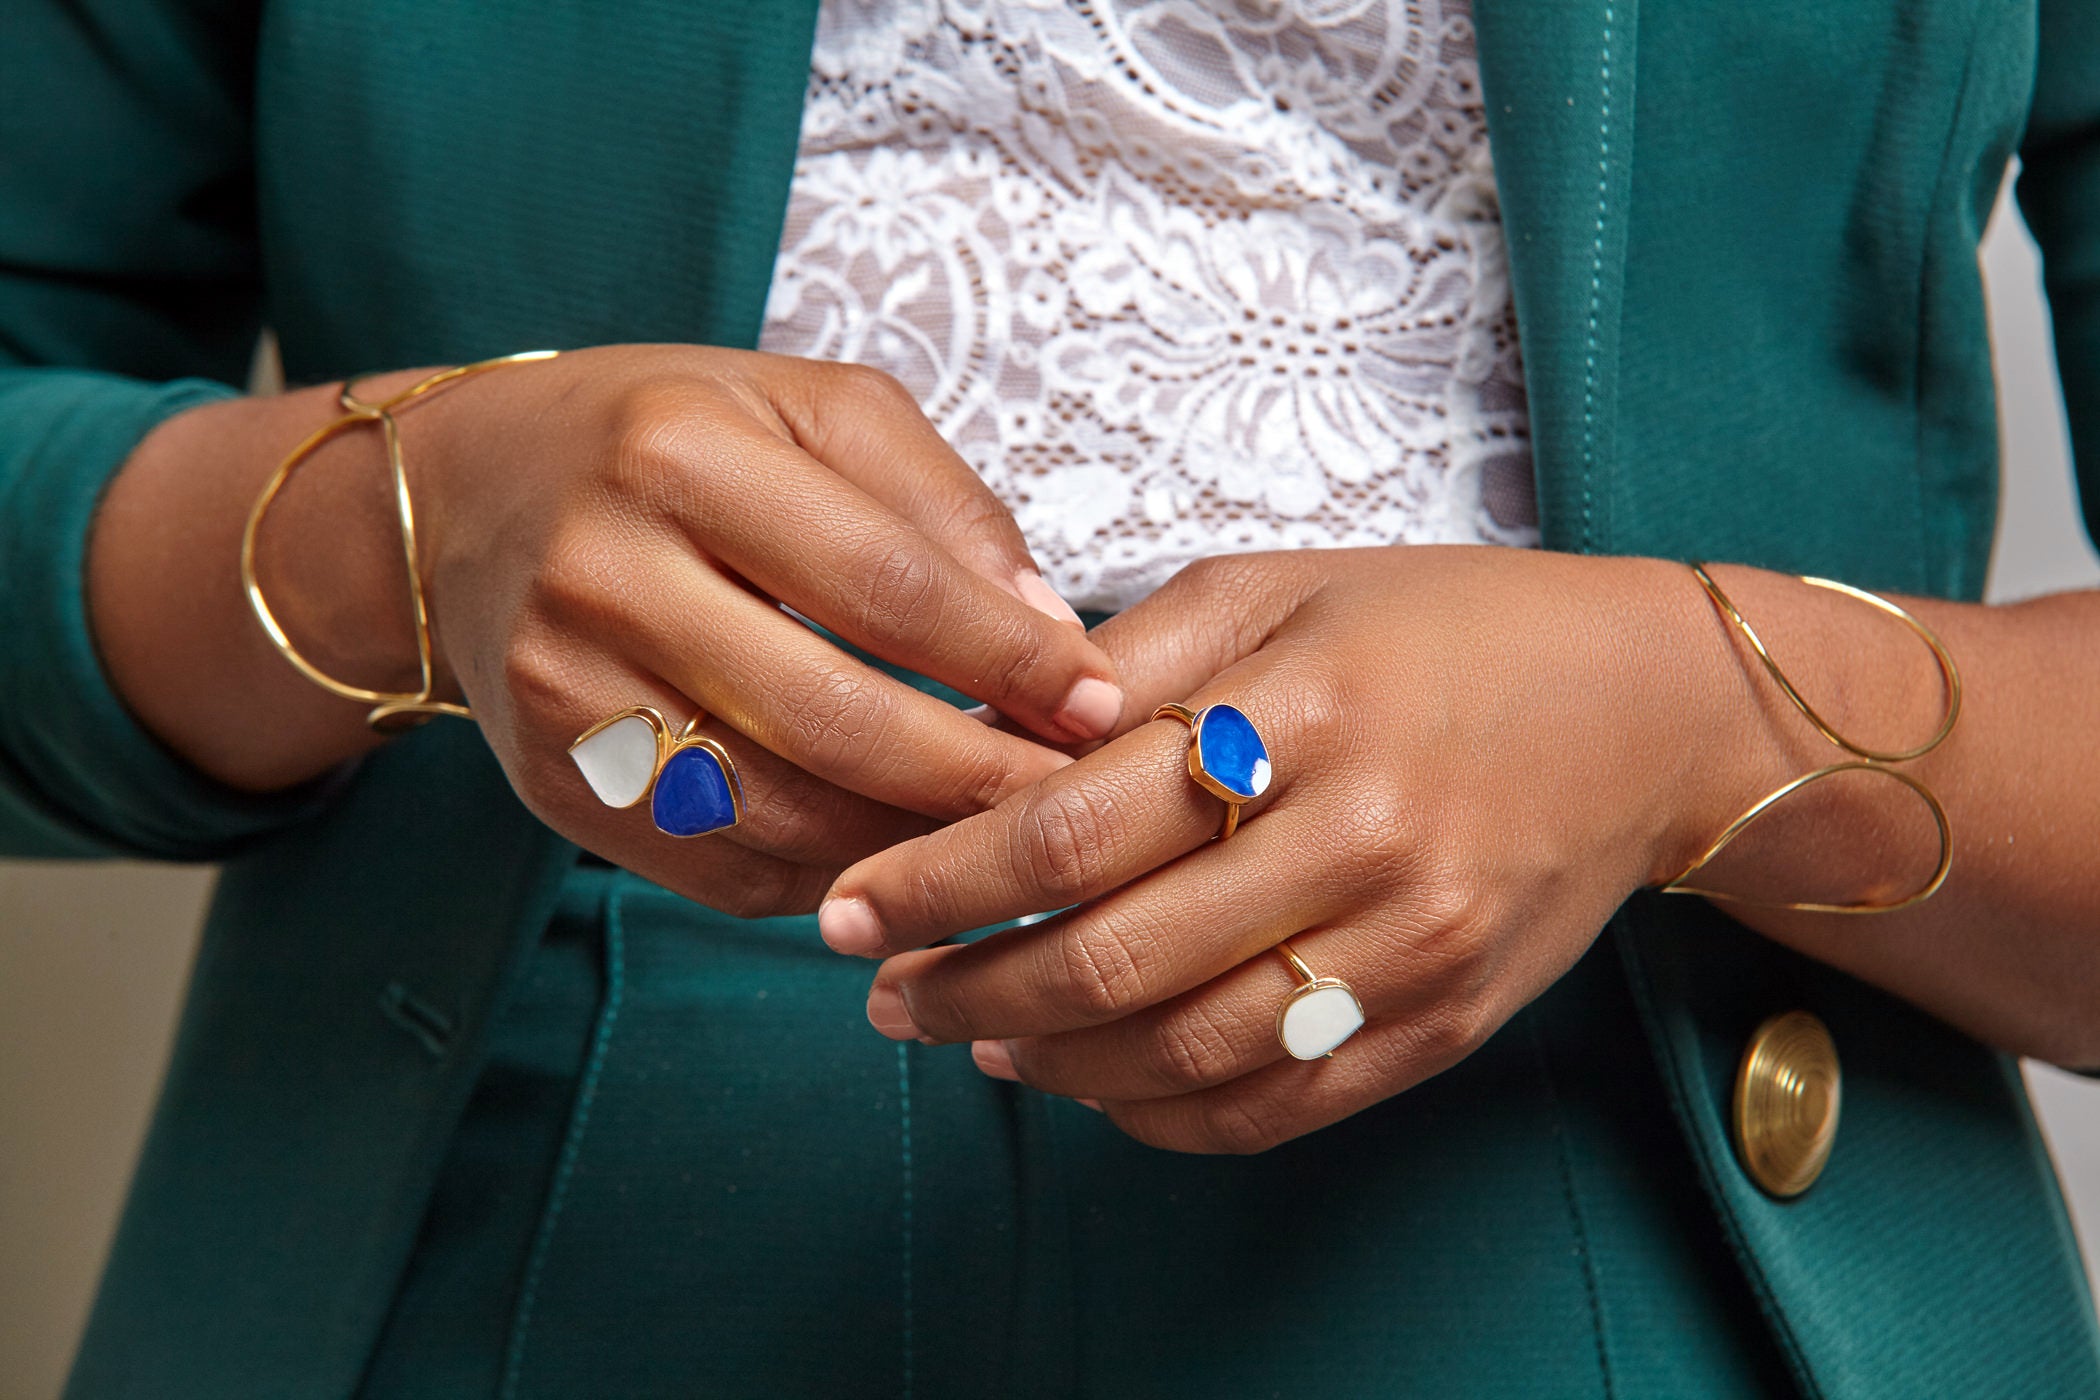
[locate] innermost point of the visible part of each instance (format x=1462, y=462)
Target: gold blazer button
x=1786, y=1103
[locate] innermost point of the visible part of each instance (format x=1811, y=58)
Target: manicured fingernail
x=887, y=1013
x=994, y=1059
x=1043, y=598
x=1091, y=708
x=1094, y=1104
x=983, y=714
x=848, y=926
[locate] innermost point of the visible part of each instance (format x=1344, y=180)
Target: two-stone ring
x=1228, y=759
x=690, y=779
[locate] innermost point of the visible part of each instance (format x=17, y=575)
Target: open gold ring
x=1319, y=1015
x=1227, y=757
x=690, y=780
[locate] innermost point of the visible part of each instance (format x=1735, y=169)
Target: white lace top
x=1178, y=277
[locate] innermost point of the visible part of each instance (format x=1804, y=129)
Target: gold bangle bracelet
x=1949, y=675
x=389, y=707
x=1865, y=760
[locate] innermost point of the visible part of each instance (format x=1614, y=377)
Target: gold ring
x=1320, y=1014
x=1227, y=757
x=690, y=779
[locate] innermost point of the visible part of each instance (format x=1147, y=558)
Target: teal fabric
x=1742, y=242
x=79, y=773
x=2059, y=192
x=746, y=1193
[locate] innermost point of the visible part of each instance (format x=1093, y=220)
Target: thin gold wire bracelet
x=1750, y=814
x=1950, y=676
x=1866, y=760
x=388, y=706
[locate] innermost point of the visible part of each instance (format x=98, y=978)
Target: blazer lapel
x=1558, y=82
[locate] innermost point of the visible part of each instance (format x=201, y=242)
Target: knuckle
x=1459, y=1025
x=1062, y=840
x=830, y=720
x=869, y=385
x=1322, y=705
x=1451, y=924
x=534, y=679
x=900, y=592
x=1020, y=652
x=794, y=819
x=1215, y=570
x=926, y=895
x=1102, y=974
x=936, y=1010
x=1191, y=1050
x=762, y=890
x=649, y=442
x=1231, y=1125
x=1374, y=824
x=576, y=579
x=975, y=513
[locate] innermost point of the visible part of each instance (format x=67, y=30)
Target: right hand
x=621, y=526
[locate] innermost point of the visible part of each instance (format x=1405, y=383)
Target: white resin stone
x=619, y=760
x=1319, y=1020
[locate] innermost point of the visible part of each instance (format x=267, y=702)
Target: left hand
x=1478, y=754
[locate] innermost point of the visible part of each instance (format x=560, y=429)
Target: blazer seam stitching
x=1589, y=368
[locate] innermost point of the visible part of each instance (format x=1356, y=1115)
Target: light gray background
x=92, y=958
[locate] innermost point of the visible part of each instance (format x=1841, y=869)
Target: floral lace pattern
x=1177, y=277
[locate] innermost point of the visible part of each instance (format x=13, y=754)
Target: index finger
x=1126, y=809
x=806, y=535
x=868, y=427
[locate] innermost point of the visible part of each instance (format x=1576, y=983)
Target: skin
x=614, y=527
x=1479, y=754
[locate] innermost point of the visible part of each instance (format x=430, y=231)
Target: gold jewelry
x=1227, y=757
x=1866, y=760
x=633, y=754
x=387, y=705
x=1949, y=676
x=1319, y=1014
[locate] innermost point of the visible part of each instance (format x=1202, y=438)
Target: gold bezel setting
x=1233, y=798
x=667, y=748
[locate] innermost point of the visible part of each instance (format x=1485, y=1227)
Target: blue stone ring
x=690, y=779
x=1226, y=756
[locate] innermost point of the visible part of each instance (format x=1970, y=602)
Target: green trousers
x=692, y=1169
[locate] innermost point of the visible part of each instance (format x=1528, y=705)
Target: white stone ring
x=1319, y=1015
x=633, y=754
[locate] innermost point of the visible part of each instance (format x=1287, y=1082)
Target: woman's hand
x=1477, y=755
x=623, y=526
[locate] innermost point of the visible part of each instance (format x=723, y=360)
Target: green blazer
x=1743, y=239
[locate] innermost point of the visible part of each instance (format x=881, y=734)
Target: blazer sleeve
x=128, y=293
x=2059, y=193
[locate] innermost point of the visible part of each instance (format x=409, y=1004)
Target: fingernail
x=1094, y=1104
x=983, y=714
x=887, y=1013
x=994, y=1059
x=1091, y=708
x=1043, y=598
x=848, y=926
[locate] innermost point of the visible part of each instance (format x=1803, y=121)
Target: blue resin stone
x=692, y=796
x=1231, y=752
